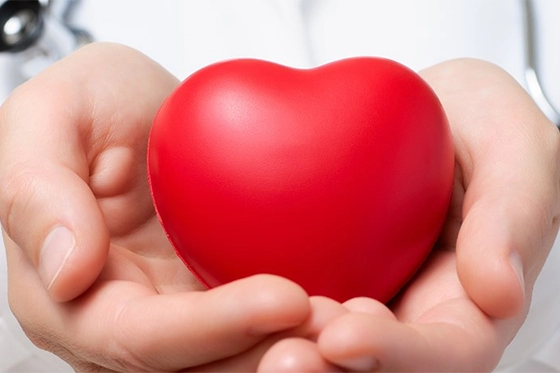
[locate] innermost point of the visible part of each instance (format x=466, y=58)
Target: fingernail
x=360, y=364
x=55, y=251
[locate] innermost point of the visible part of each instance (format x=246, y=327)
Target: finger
x=55, y=132
x=323, y=311
x=295, y=355
x=369, y=306
x=63, y=233
x=295, y=350
x=435, y=327
x=129, y=327
x=508, y=153
x=363, y=342
x=176, y=331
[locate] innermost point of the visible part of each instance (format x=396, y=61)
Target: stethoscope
x=24, y=22
x=38, y=33
x=532, y=77
x=42, y=32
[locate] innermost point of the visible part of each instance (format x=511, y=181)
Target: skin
x=72, y=154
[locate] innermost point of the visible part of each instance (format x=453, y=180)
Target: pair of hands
x=93, y=278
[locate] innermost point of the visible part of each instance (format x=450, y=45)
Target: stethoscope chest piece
x=21, y=24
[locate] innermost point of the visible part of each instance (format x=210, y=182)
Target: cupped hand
x=92, y=276
x=467, y=303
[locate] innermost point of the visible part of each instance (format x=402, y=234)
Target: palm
x=142, y=254
x=126, y=289
x=438, y=273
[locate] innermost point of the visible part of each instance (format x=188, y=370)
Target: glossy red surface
x=337, y=177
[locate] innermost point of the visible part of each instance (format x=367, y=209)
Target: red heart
x=337, y=177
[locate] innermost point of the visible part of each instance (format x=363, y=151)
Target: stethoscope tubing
x=532, y=78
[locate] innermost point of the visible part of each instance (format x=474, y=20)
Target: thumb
x=46, y=206
x=508, y=154
x=63, y=234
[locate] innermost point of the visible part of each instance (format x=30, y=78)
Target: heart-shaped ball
x=337, y=177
